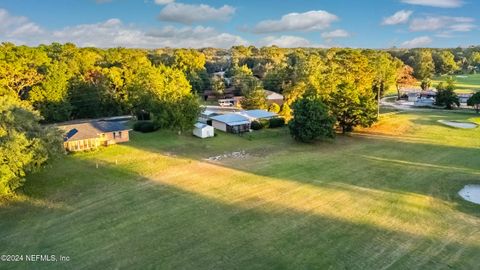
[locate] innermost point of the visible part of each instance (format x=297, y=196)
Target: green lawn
x=385, y=197
x=464, y=84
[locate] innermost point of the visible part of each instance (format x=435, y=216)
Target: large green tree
x=218, y=86
x=20, y=68
x=404, y=77
x=446, y=95
x=444, y=62
x=166, y=93
x=24, y=144
x=474, y=101
x=353, y=108
x=192, y=63
x=423, y=64
x=311, y=120
x=50, y=96
x=385, y=70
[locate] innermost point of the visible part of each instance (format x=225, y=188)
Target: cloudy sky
x=223, y=23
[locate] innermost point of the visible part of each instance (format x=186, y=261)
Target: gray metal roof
x=201, y=125
x=90, y=130
x=258, y=114
x=231, y=119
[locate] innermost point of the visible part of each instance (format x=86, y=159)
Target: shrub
x=286, y=111
x=274, y=108
x=265, y=122
x=474, y=101
x=255, y=125
x=144, y=126
x=276, y=122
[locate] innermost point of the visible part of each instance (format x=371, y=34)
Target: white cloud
x=17, y=25
x=399, y=17
x=339, y=33
x=307, y=21
x=113, y=33
x=286, y=42
x=195, y=37
x=436, y=3
x=163, y=2
x=417, y=42
x=442, y=23
x=188, y=14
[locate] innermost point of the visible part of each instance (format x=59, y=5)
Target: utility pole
x=378, y=102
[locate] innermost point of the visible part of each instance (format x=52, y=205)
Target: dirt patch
x=471, y=193
x=455, y=124
x=233, y=155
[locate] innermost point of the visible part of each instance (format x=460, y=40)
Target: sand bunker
x=458, y=124
x=471, y=193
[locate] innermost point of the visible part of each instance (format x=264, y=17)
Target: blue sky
x=223, y=23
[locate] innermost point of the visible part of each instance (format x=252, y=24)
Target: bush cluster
x=256, y=125
x=276, y=122
x=144, y=126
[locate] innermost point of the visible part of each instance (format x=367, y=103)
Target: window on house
x=117, y=135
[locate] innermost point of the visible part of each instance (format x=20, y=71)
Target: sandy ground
x=471, y=193
x=458, y=124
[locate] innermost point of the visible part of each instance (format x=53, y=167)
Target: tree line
x=340, y=88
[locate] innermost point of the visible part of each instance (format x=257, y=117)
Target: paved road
x=408, y=106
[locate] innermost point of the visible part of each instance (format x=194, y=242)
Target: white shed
x=203, y=130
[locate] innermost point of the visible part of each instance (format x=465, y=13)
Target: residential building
x=91, y=135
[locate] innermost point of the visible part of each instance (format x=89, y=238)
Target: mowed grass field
x=384, y=197
x=465, y=83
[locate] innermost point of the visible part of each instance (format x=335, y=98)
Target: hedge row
x=271, y=123
x=144, y=126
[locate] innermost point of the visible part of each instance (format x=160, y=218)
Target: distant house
x=463, y=98
x=428, y=94
x=274, y=97
x=235, y=101
x=91, y=135
x=231, y=122
x=412, y=97
x=202, y=130
x=424, y=102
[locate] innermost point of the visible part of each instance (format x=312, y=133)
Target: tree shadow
x=119, y=219
x=400, y=166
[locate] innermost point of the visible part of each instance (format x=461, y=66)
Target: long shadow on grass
x=135, y=222
x=377, y=163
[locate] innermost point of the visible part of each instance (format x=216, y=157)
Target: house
x=428, y=94
x=412, y=97
x=463, y=98
x=424, y=102
x=91, y=135
x=231, y=122
x=239, y=122
x=235, y=101
x=273, y=97
x=203, y=130
x=258, y=114
x=206, y=115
